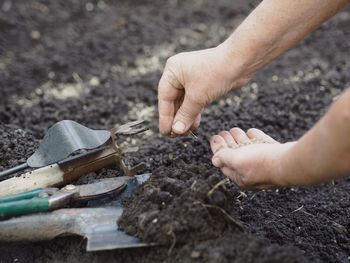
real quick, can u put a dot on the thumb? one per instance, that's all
(186, 115)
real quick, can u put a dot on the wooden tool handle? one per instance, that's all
(74, 221)
(41, 178)
(58, 174)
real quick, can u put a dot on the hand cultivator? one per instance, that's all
(31, 192)
(56, 167)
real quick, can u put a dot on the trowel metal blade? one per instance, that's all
(109, 236)
(98, 225)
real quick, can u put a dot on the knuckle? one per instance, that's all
(161, 90)
(244, 180)
(240, 182)
(184, 114)
(209, 96)
(195, 99)
(171, 61)
(237, 180)
(163, 84)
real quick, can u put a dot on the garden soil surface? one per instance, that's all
(99, 62)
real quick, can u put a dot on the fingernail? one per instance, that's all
(179, 127)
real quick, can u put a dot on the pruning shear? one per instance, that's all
(48, 199)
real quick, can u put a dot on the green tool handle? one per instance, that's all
(21, 196)
(23, 207)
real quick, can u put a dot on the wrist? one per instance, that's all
(285, 171)
(297, 167)
(254, 49)
(233, 65)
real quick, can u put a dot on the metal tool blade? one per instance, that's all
(63, 139)
(66, 137)
(131, 185)
(126, 185)
(130, 128)
(98, 225)
(98, 189)
(107, 236)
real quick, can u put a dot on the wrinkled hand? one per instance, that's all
(255, 165)
(190, 81)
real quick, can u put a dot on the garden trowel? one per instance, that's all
(97, 225)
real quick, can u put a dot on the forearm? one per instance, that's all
(324, 152)
(275, 26)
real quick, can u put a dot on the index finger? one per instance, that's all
(169, 91)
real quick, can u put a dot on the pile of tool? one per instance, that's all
(32, 208)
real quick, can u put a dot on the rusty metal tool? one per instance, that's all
(97, 225)
(66, 137)
(71, 168)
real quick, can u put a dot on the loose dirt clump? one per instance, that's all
(175, 203)
(186, 210)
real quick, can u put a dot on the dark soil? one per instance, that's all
(99, 62)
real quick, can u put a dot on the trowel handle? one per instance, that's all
(23, 207)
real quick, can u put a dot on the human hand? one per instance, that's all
(256, 164)
(190, 81)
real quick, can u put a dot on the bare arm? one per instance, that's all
(322, 153)
(275, 26)
(192, 80)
